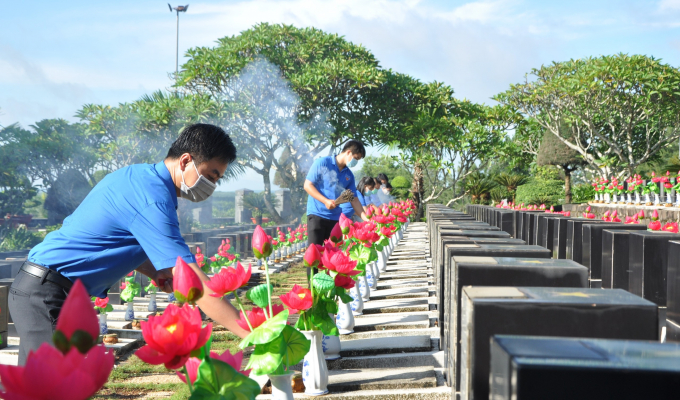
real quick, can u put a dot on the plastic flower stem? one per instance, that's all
(269, 288)
(240, 305)
(186, 373)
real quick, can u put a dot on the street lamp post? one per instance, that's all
(178, 9)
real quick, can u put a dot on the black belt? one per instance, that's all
(46, 274)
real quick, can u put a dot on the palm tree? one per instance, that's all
(511, 182)
(256, 204)
(479, 187)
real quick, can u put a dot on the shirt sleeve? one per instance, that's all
(313, 173)
(362, 199)
(156, 228)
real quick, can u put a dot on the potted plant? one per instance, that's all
(130, 290)
(102, 306)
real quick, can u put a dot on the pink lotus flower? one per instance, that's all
(256, 316)
(345, 224)
(229, 279)
(671, 227)
(641, 214)
(312, 256)
(344, 281)
(590, 216)
(102, 303)
(77, 314)
(339, 262)
(654, 226)
(631, 220)
(298, 299)
(235, 360)
(655, 215)
(51, 375)
(173, 336)
(186, 284)
(336, 233)
(262, 246)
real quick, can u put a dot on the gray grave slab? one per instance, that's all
(564, 312)
(615, 258)
(385, 345)
(648, 254)
(673, 292)
(544, 230)
(529, 367)
(378, 322)
(381, 379)
(574, 249)
(499, 271)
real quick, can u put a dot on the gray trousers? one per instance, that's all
(34, 308)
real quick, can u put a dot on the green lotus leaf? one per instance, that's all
(259, 295)
(297, 345)
(323, 282)
(266, 332)
(219, 380)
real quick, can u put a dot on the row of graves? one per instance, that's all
(123, 329)
(537, 305)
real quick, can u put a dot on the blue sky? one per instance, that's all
(57, 56)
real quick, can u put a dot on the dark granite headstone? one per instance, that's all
(500, 271)
(591, 247)
(673, 293)
(560, 237)
(506, 221)
(543, 235)
(596, 313)
(473, 250)
(538, 368)
(615, 258)
(574, 250)
(528, 226)
(648, 253)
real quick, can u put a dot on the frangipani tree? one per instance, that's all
(621, 109)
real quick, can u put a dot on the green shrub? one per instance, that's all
(400, 182)
(582, 193)
(548, 192)
(499, 193)
(20, 239)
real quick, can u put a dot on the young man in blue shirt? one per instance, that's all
(326, 180)
(127, 222)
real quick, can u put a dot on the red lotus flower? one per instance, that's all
(77, 314)
(312, 256)
(229, 279)
(51, 375)
(381, 219)
(173, 336)
(654, 225)
(298, 299)
(213, 258)
(671, 227)
(366, 233)
(186, 284)
(257, 317)
(235, 360)
(345, 223)
(336, 233)
(655, 215)
(631, 220)
(641, 214)
(344, 281)
(339, 262)
(101, 303)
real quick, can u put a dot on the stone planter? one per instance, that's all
(103, 326)
(282, 388)
(358, 304)
(314, 369)
(153, 306)
(345, 318)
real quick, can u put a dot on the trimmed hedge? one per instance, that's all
(549, 192)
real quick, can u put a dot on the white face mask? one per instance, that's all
(200, 191)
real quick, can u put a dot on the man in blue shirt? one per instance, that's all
(326, 180)
(127, 222)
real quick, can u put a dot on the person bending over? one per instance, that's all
(127, 222)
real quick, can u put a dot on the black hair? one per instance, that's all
(377, 181)
(383, 177)
(204, 142)
(356, 146)
(363, 182)
(388, 186)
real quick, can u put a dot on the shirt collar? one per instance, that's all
(335, 163)
(163, 172)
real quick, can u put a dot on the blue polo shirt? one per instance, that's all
(362, 199)
(330, 182)
(129, 216)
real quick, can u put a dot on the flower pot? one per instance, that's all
(130, 311)
(364, 289)
(282, 388)
(657, 200)
(103, 326)
(314, 369)
(153, 307)
(331, 346)
(637, 198)
(345, 318)
(370, 278)
(358, 304)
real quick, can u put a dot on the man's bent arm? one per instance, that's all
(314, 192)
(219, 310)
(359, 209)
